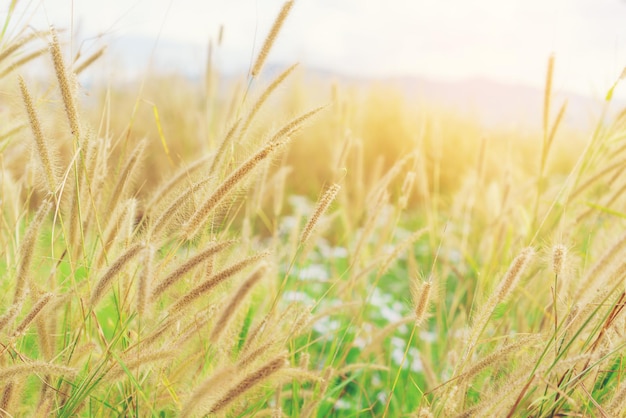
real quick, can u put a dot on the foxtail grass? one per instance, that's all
(271, 38)
(27, 248)
(322, 205)
(65, 84)
(43, 149)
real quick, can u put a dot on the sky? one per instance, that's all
(507, 41)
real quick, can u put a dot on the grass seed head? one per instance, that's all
(67, 90)
(271, 38)
(321, 207)
(559, 259)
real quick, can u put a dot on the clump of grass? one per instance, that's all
(192, 296)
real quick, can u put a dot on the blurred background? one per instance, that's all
(401, 75)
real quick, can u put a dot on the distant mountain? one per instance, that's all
(494, 103)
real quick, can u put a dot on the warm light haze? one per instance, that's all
(505, 41)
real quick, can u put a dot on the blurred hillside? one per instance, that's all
(493, 104)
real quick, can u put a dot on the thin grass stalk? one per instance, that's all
(133, 363)
(498, 355)
(597, 271)
(381, 200)
(18, 43)
(223, 146)
(22, 61)
(10, 133)
(170, 185)
(90, 60)
(125, 175)
(113, 232)
(263, 98)
(399, 249)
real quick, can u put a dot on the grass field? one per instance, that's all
(277, 251)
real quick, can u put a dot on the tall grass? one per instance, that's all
(435, 275)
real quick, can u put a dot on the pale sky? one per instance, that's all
(507, 41)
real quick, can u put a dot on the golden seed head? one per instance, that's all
(421, 298)
(559, 254)
(321, 207)
(271, 37)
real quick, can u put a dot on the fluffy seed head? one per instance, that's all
(421, 299)
(513, 275)
(321, 207)
(559, 255)
(248, 382)
(43, 150)
(111, 272)
(271, 37)
(64, 84)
